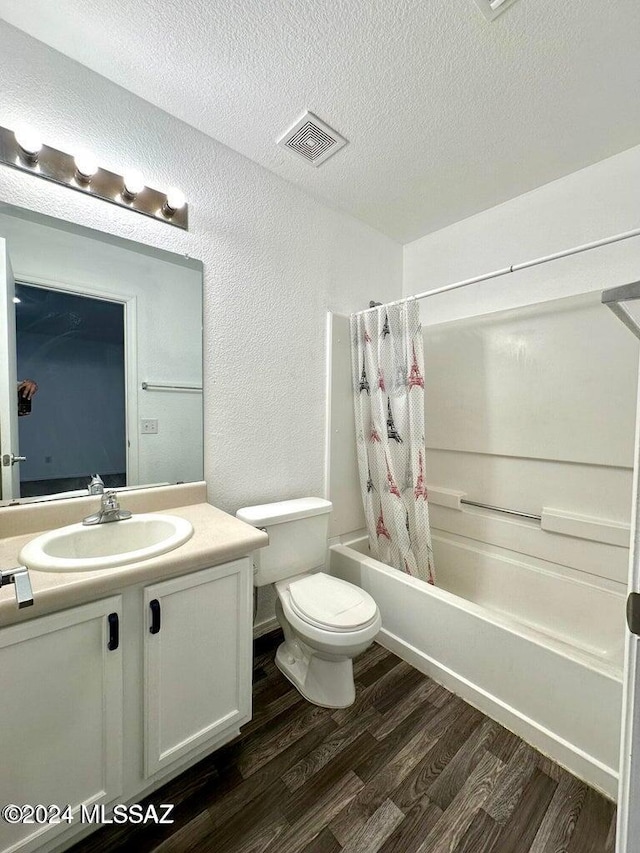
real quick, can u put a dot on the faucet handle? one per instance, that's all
(96, 485)
(109, 510)
(110, 500)
(20, 578)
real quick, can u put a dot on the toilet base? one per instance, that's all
(327, 683)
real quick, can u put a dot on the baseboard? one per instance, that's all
(265, 628)
(587, 768)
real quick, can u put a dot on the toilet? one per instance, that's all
(326, 621)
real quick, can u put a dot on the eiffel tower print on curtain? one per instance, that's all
(388, 363)
(392, 432)
(364, 382)
(415, 377)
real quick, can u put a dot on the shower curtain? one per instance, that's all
(388, 382)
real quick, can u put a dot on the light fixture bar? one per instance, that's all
(61, 168)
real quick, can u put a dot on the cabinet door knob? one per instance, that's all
(154, 606)
(114, 631)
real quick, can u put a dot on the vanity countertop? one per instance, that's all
(217, 538)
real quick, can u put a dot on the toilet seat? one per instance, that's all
(331, 604)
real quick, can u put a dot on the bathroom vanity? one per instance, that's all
(118, 679)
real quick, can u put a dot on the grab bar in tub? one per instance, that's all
(502, 509)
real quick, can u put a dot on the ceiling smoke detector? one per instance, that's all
(312, 139)
(492, 8)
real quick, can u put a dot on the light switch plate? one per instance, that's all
(149, 426)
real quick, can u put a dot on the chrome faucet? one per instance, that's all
(109, 510)
(96, 485)
(19, 577)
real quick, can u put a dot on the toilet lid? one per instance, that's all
(328, 602)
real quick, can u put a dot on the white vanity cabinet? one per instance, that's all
(103, 702)
(60, 715)
(197, 660)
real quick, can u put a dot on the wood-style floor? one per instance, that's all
(409, 767)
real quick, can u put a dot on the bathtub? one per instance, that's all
(538, 651)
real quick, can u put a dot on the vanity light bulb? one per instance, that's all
(29, 141)
(86, 165)
(175, 200)
(133, 181)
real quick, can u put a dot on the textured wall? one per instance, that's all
(274, 261)
(446, 113)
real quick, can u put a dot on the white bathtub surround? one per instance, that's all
(388, 384)
(541, 654)
(527, 621)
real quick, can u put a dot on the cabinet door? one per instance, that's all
(61, 716)
(197, 660)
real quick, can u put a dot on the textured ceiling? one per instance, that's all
(446, 113)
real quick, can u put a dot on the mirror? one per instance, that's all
(111, 332)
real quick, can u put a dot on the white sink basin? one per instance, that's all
(82, 548)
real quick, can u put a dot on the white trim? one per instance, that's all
(129, 303)
(628, 820)
(586, 527)
(581, 764)
(445, 497)
(131, 390)
(266, 627)
(9, 428)
(327, 400)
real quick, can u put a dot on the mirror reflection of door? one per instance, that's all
(73, 347)
(161, 295)
(9, 452)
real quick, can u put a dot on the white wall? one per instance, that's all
(274, 261)
(534, 407)
(595, 202)
(587, 205)
(549, 381)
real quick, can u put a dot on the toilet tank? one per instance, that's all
(297, 537)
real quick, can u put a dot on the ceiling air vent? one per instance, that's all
(492, 8)
(312, 139)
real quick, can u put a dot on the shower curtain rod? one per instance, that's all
(615, 296)
(513, 268)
